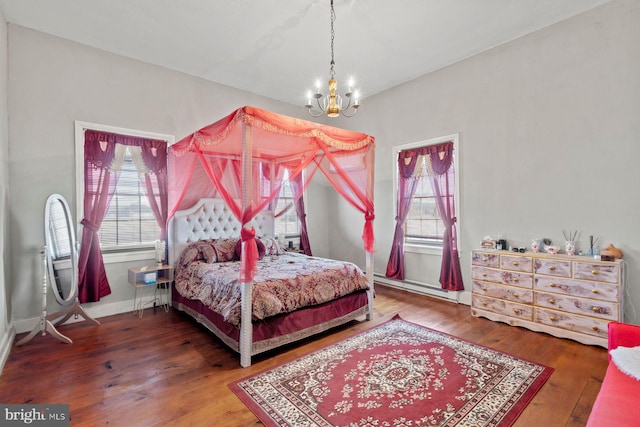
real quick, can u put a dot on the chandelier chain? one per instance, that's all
(333, 34)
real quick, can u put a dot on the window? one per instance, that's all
(423, 225)
(287, 224)
(129, 222)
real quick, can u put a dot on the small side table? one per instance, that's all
(156, 277)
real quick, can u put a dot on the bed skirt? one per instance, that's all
(281, 329)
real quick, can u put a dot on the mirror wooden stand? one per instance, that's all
(60, 245)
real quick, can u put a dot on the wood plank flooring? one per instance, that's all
(165, 369)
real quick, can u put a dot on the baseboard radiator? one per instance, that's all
(418, 287)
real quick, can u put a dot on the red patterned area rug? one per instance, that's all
(395, 374)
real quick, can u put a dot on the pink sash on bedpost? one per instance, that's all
(249, 256)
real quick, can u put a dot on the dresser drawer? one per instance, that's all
(522, 296)
(485, 259)
(578, 288)
(516, 263)
(609, 273)
(552, 267)
(587, 307)
(506, 308)
(522, 280)
(572, 322)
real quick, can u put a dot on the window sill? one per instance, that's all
(423, 249)
(113, 258)
(119, 257)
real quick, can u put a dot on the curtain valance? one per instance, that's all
(432, 160)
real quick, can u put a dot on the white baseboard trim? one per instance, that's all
(5, 345)
(461, 297)
(95, 310)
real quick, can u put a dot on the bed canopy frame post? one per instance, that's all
(246, 338)
(371, 292)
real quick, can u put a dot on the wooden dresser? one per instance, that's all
(566, 296)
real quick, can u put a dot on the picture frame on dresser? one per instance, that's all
(572, 297)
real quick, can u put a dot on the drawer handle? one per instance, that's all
(595, 291)
(552, 267)
(595, 328)
(515, 279)
(552, 318)
(595, 309)
(594, 271)
(484, 303)
(484, 288)
(516, 263)
(484, 274)
(485, 259)
(516, 310)
(552, 285)
(552, 301)
(516, 295)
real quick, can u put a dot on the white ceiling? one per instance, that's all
(279, 48)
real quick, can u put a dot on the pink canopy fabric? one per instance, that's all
(239, 158)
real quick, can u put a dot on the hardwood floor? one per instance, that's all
(165, 369)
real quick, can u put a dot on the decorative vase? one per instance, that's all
(535, 245)
(570, 247)
(161, 247)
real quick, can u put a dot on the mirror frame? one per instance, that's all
(73, 293)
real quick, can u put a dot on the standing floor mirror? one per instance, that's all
(60, 248)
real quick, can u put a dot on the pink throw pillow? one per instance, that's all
(261, 248)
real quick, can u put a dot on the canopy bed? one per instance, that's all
(231, 274)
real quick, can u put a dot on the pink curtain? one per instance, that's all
(296, 187)
(407, 184)
(442, 181)
(272, 178)
(349, 181)
(256, 137)
(99, 186)
(154, 155)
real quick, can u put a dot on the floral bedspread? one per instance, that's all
(283, 283)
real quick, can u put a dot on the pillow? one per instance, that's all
(261, 248)
(627, 359)
(189, 254)
(201, 250)
(208, 250)
(224, 249)
(272, 247)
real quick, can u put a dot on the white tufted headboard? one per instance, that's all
(210, 219)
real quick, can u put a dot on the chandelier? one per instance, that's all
(332, 104)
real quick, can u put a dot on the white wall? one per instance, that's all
(548, 130)
(6, 330)
(54, 82)
(549, 138)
